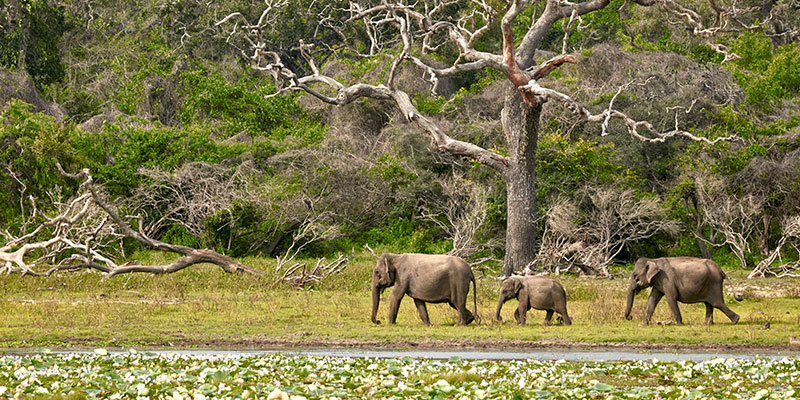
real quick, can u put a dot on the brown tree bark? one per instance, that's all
(521, 128)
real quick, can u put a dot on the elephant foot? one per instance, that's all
(735, 319)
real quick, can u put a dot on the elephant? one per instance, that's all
(426, 278)
(679, 279)
(537, 292)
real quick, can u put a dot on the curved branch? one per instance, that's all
(514, 74)
(632, 125)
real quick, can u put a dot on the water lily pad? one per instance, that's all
(602, 387)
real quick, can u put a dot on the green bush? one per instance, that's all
(243, 106)
(766, 78)
(30, 144)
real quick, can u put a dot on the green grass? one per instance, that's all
(203, 306)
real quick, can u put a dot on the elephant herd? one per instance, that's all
(428, 278)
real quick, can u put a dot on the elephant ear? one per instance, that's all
(388, 267)
(516, 285)
(652, 269)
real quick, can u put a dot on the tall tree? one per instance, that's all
(409, 30)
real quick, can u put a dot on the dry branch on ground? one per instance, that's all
(67, 254)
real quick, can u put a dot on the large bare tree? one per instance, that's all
(408, 30)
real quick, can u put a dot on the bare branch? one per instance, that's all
(61, 242)
(632, 125)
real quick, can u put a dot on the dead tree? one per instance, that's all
(590, 237)
(408, 30)
(460, 212)
(790, 233)
(66, 253)
(735, 218)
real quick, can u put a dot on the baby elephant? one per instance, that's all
(534, 292)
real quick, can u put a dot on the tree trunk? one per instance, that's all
(763, 238)
(521, 128)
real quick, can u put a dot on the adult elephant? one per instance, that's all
(536, 292)
(426, 278)
(684, 279)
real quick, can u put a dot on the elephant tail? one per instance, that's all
(737, 296)
(475, 301)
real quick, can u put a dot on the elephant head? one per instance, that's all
(508, 290)
(383, 276)
(644, 271)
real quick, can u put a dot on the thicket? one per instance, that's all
(186, 116)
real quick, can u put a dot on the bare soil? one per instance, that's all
(301, 341)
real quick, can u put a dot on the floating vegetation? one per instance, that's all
(133, 375)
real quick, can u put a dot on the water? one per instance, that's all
(621, 355)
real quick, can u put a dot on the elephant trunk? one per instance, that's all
(376, 299)
(631, 293)
(499, 307)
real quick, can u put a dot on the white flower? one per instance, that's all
(115, 396)
(21, 372)
(278, 394)
(443, 386)
(142, 390)
(102, 352)
(3, 389)
(479, 393)
(297, 398)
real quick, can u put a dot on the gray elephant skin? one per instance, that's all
(679, 279)
(536, 292)
(426, 278)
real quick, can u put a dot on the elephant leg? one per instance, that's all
(464, 315)
(709, 313)
(522, 312)
(564, 315)
(548, 317)
(423, 312)
(652, 302)
(676, 312)
(727, 311)
(394, 303)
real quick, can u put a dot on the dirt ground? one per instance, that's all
(295, 342)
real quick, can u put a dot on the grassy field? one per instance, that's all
(203, 306)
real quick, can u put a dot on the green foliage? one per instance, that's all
(30, 37)
(767, 79)
(178, 235)
(565, 166)
(729, 158)
(429, 105)
(698, 52)
(406, 236)
(390, 171)
(117, 152)
(597, 27)
(29, 146)
(243, 106)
